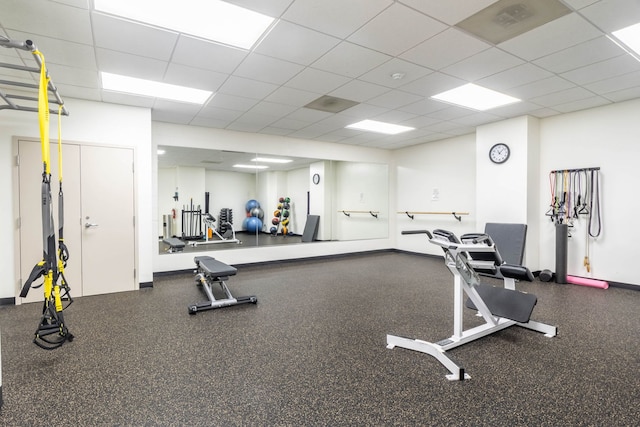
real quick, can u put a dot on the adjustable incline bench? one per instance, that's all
(210, 271)
(501, 307)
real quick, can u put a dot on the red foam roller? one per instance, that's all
(594, 283)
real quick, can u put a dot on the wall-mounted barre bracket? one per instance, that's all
(456, 215)
(29, 46)
(372, 213)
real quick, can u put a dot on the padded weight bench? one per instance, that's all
(210, 271)
(175, 244)
(500, 307)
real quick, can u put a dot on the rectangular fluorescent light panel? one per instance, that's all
(475, 97)
(271, 160)
(209, 19)
(380, 127)
(135, 86)
(251, 166)
(630, 36)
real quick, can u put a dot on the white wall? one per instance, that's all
(446, 168)
(362, 187)
(606, 137)
(92, 123)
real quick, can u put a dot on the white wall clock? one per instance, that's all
(499, 153)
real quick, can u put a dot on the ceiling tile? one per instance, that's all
(483, 64)
(126, 99)
(247, 88)
(562, 33)
(624, 95)
(232, 102)
(613, 15)
(208, 55)
(222, 114)
(291, 96)
(194, 77)
(273, 8)
(350, 60)
(317, 81)
(614, 84)
(582, 104)
(359, 91)
(62, 74)
(295, 43)
(450, 11)
(267, 69)
(445, 48)
(382, 75)
(540, 87)
(586, 53)
(396, 30)
(338, 18)
(47, 18)
(58, 51)
(562, 96)
(71, 91)
(426, 106)
(451, 112)
(130, 65)
(432, 84)
(119, 34)
(394, 99)
(603, 70)
(290, 124)
(516, 76)
(272, 108)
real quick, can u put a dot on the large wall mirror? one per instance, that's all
(220, 199)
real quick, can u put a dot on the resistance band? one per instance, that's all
(52, 332)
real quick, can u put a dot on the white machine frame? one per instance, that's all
(209, 221)
(465, 279)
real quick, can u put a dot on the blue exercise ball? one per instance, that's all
(257, 212)
(254, 224)
(251, 204)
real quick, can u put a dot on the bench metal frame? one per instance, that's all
(210, 271)
(465, 280)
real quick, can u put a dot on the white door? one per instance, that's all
(98, 182)
(108, 236)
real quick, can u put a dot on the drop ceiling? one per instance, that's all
(349, 49)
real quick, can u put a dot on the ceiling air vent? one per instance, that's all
(331, 104)
(506, 19)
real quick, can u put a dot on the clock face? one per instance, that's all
(499, 153)
(316, 179)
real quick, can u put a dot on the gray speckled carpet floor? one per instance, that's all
(313, 352)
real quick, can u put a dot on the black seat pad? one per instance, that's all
(174, 242)
(213, 267)
(507, 303)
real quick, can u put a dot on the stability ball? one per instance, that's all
(254, 224)
(251, 204)
(257, 212)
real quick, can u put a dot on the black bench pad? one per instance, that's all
(507, 303)
(174, 242)
(213, 267)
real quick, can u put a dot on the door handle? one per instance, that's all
(89, 225)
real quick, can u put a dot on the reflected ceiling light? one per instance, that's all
(209, 19)
(475, 97)
(135, 86)
(380, 127)
(251, 166)
(630, 36)
(271, 160)
(161, 152)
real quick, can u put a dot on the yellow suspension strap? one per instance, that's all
(63, 251)
(52, 331)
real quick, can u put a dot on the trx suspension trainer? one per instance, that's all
(52, 330)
